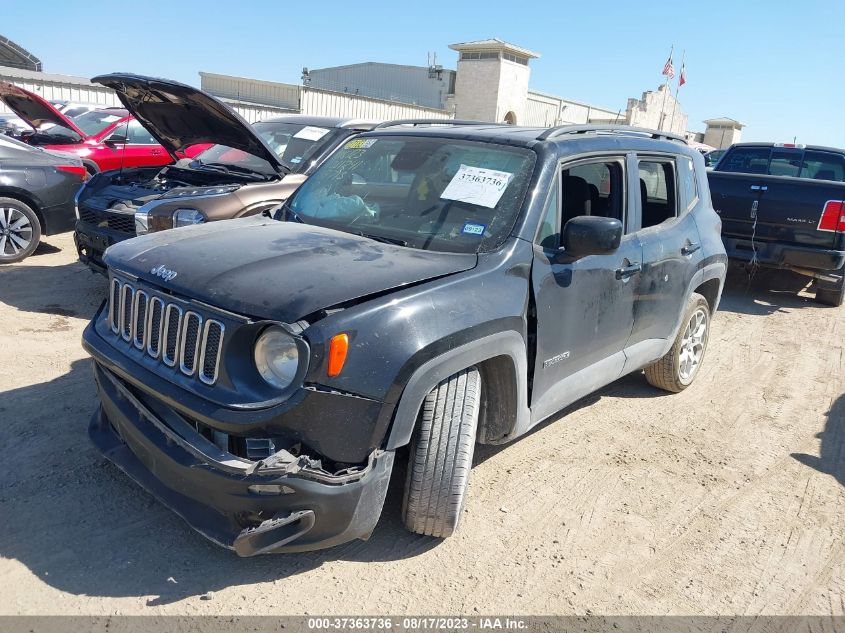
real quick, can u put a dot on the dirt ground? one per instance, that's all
(725, 499)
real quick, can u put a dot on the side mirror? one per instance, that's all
(591, 235)
(116, 139)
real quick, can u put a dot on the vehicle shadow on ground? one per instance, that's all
(82, 526)
(31, 287)
(763, 292)
(831, 459)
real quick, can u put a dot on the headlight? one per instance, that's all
(277, 357)
(186, 217)
(142, 223)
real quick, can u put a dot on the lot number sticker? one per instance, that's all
(311, 133)
(477, 185)
(361, 143)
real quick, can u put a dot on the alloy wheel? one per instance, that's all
(15, 231)
(692, 345)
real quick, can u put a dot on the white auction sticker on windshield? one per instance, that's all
(477, 185)
(311, 133)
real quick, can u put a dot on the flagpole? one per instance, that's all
(677, 90)
(663, 107)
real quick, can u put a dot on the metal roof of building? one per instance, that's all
(15, 56)
(32, 75)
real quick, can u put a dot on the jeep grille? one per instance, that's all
(180, 339)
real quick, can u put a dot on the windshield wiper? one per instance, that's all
(382, 238)
(229, 169)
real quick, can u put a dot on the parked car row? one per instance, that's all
(384, 291)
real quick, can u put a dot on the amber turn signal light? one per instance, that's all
(338, 348)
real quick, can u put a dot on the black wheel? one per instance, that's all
(834, 295)
(679, 367)
(20, 231)
(441, 455)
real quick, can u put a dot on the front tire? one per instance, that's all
(20, 231)
(441, 455)
(679, 367)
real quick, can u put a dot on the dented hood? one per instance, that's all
(34, 109)
(268, 269)
(180, 116)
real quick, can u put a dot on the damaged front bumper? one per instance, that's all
(280, 504)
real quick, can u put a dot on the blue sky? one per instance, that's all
(778, 67)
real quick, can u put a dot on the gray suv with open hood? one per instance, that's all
(248, 169)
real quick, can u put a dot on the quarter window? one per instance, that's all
(657, 192)
(688, 183)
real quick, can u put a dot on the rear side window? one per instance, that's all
(657, 191)
(823, 166)
(746, 160)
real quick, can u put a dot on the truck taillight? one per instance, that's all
(79, 170)
(833, 216)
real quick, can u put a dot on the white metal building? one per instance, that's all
(58, 87)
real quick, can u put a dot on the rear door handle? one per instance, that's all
(628, 271)
(690, 248)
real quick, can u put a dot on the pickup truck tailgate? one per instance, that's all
(777, 208)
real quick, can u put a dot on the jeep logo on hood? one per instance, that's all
(164, 273)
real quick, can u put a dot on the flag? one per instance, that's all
(683, 78)
(668, 68)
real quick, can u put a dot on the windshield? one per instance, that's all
(429, 193)
(96, 121)
(294, 143)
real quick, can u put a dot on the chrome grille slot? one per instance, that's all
(139, 319)
(156, 319)
(127, 296)
(161, 329)
(172, 325)
(212, 342)
(114, 306)
(190, 343)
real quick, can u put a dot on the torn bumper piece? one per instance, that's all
(239, 504)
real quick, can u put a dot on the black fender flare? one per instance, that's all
(508, 343)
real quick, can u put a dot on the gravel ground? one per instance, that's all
(725, 499)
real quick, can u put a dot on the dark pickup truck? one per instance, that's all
(782, 207)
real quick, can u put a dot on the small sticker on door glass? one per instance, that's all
(477, 185)
(311, 133)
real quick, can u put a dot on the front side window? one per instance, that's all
(657, 191)
(593, 188)
(138, 135)
(428, 193)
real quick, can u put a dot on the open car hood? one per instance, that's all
(276, 270)
(34, 109)
(180, 116)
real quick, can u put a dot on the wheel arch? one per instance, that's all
(501, 360)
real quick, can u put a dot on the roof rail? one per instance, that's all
(630, 130)
(415, 122)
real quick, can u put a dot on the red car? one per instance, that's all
(104, 139)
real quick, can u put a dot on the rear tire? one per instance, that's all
(20, 231)
(679, 367)
(441, 455)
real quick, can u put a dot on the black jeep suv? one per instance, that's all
(431, 285)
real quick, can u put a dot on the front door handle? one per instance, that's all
(690, 248)
(628, 271)
(759, 188)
